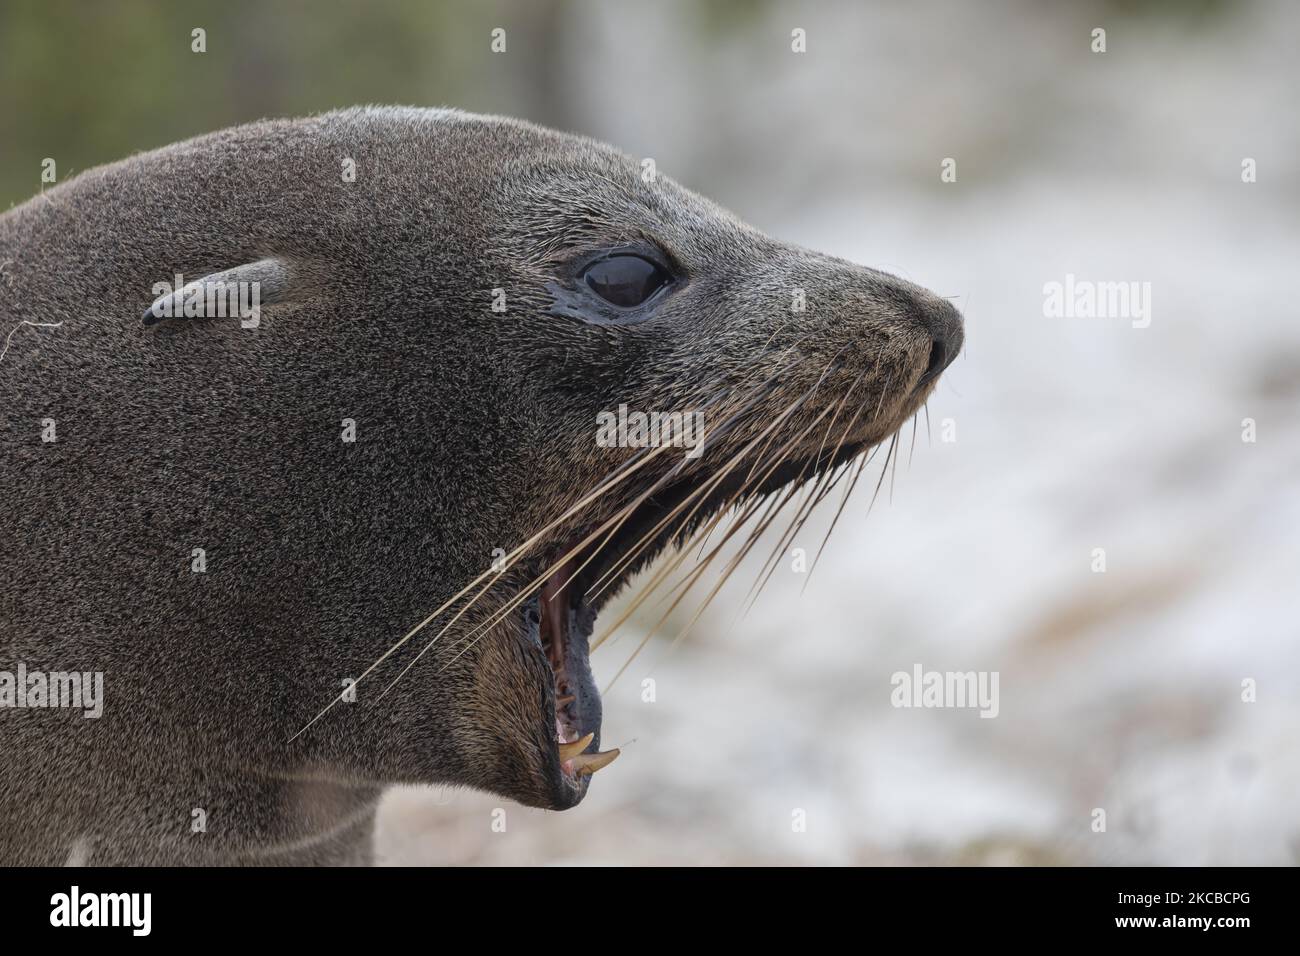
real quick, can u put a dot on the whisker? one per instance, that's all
(610, 574)
(883, 469)
(696, 572)
(815, 497)
(616, 520)
(491, 575)
(794, 406)
(844, 500)
(523, 594)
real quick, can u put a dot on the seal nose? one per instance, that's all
(943, 322)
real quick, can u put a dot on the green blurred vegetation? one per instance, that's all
(90, 82)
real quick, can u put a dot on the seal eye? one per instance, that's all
(625, 280)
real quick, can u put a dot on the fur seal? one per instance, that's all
(240, 523)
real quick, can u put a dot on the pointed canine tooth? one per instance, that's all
(590, 763)
(570, 751)
(565, 700)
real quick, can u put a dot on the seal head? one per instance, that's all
(397, 472)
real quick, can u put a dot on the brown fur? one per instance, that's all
(473, 430)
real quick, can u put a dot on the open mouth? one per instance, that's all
(560, 618)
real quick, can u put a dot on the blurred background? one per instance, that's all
(1049, 438)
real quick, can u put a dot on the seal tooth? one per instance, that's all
(590, 763)
(570, 751)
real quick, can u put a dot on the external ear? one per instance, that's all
(240, 291)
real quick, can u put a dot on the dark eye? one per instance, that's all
(625, 280)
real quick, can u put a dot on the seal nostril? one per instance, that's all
(937, 363)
